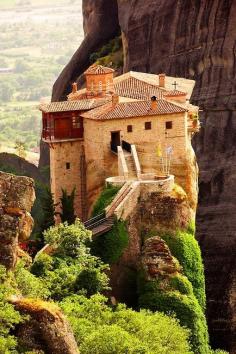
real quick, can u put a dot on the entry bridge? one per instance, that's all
(100, 224)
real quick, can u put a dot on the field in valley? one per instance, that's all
(35, 44)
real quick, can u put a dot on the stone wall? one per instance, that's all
(66, 171)
(102, 163)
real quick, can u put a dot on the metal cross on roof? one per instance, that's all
(175, 84)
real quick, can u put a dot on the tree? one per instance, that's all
(6, 91)
(67, 206)
(20, 149)
(103, 329)
(9, 317)
(48, 207)
(21, 66)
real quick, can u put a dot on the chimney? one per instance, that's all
(115, 99)
(153, 102)
(74, 87)
(162, 78)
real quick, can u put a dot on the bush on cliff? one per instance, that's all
(105, 198)
(9, 317)
(71, 269)
(103, 329)
(185, 248)
(177, 297)
(110, 246)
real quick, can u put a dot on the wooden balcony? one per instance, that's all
(59, 129)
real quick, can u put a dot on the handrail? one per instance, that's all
(118, 198)
(96, 218)
(136, 160)
(95, 224)
(122, 161)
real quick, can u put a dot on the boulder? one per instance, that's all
(46, 330)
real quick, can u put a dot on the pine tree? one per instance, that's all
(48, 207)
(67, 206)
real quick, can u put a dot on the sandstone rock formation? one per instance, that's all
(157, 260)
(100, 25)
(155, 213)
(16, 200)
(196, 40)
(22, 166)
(47, 329)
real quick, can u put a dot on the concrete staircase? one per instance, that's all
(132, 174)
(128, 163)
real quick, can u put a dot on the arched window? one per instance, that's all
(108, 85)
(100, 86)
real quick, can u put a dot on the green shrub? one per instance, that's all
(9, 317)
(69, 240)
(28, 284)
(182, 284)
(185, 307)
(102, 329)
(71, 269)
(109, 54)
(105, 198)
(42, 263)
(110, 246)
(185, 248)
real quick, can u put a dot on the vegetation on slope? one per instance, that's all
(110, 246)
(184, 295)
(75, 278)
(105, 198)
(111, 54)
(31, 48)
(102, 329)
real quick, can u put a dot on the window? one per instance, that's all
(129, 128)
(92, 86)
(148, 125)
(68, 165)
(169, 125)
(100, 86)
(75, 122)
(108, 85)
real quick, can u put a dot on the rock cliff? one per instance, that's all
(46, 329)
(16, 200)
(193, 39)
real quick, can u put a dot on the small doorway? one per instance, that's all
(115, 140)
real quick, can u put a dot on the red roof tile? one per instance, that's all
(133, 109)
(174, 93)
(137, 89)
(80, 105)
(98, 69)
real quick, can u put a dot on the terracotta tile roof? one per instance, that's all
(66, 106)
(133, 109)
(174, 93)
(98, 69)
(135, 88)
(184, 85)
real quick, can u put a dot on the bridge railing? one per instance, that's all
(95, 221)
